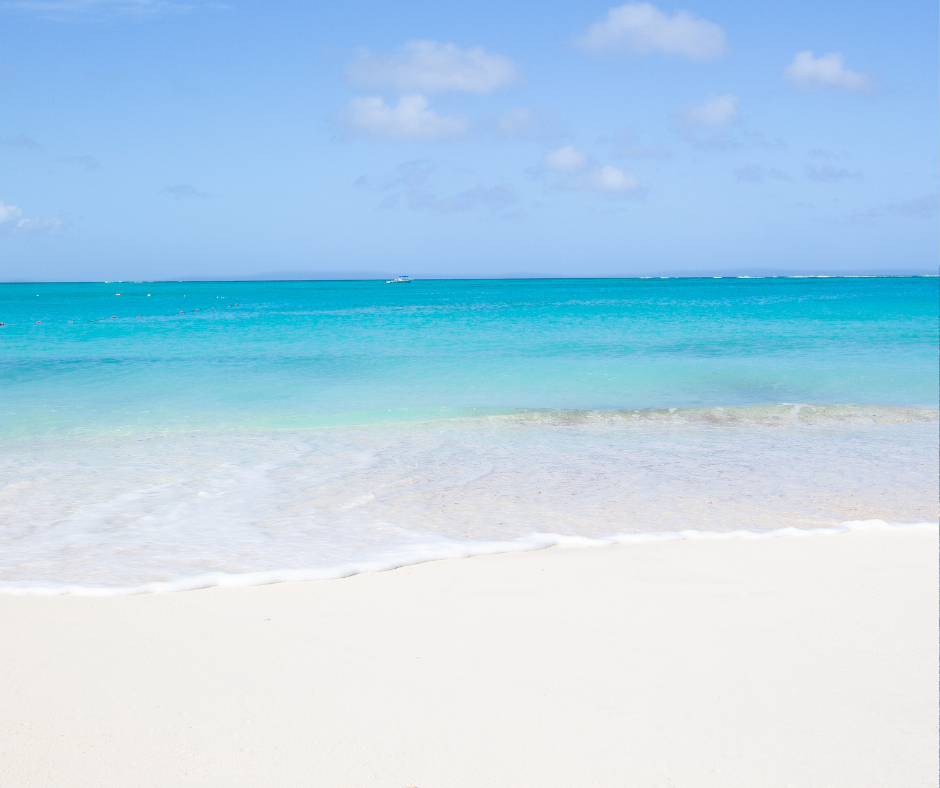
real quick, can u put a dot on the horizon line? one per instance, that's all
(474, 278)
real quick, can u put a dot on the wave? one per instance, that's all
(781, 414)
(444, 549)
(768, 415)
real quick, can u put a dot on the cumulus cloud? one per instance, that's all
(39, 224)
(431, 67)
(583, 174)
(566, 158)
(410, 119)
(642, 28)
(9, 213)
(606, 179)
(827, 71)
(12, 215)
(714, 126)
(717, 111)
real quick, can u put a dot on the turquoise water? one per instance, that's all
(296, 352)
(158, 430)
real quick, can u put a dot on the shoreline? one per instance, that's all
(452, 549)
(696, 662)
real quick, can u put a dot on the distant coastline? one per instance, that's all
(369, 276)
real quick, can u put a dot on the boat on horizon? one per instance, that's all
(398, 279)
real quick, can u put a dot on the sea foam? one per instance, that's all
(445, 549)
(155, 508)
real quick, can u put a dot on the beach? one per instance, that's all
(474, 533)
(798, 660)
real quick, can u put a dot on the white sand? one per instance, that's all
(793, 661)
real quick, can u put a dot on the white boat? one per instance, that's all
(397, 279)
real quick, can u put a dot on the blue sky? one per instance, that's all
(151, 140)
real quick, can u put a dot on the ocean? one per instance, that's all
(171, 435)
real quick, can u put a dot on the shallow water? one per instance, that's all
(255, 427)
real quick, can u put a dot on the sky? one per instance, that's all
(147, 140)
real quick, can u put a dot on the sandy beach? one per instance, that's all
(794, 661)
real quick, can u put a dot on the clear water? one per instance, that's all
(177, 429)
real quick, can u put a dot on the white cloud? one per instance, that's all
(717, 111)
(39, 224)
(642, 28)
(607, 178)
(410, 119)
(9, 213)
(585, 175)
(13, 215)
(827, 71)
(566, 158)
(431, 67)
